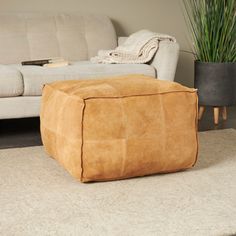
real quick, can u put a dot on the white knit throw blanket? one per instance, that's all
(139, 47)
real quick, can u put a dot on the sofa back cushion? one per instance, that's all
(73, 36)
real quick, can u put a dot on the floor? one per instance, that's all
(25, 132)
(38, 197)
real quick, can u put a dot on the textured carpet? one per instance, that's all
(37, 197)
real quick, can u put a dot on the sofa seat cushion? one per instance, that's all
(119, 127)
(11, 82)
(35, 77)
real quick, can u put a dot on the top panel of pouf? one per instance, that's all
(136, 85)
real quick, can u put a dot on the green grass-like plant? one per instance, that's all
(213, 28)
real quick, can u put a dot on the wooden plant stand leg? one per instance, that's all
(216, 115)
(217, 111)
(200, 113)
(224, 113)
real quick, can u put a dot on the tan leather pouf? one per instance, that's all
(121, 127)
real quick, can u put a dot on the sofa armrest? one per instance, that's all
(165, 60)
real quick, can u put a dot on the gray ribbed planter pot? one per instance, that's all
(216, 83)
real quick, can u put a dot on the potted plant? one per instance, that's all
(213, 29)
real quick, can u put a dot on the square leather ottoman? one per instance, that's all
(121, 127)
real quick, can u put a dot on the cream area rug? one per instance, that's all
(38, 197)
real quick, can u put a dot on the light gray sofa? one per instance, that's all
(75, 37)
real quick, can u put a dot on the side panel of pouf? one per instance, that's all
(139, 135)
(61, 128)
